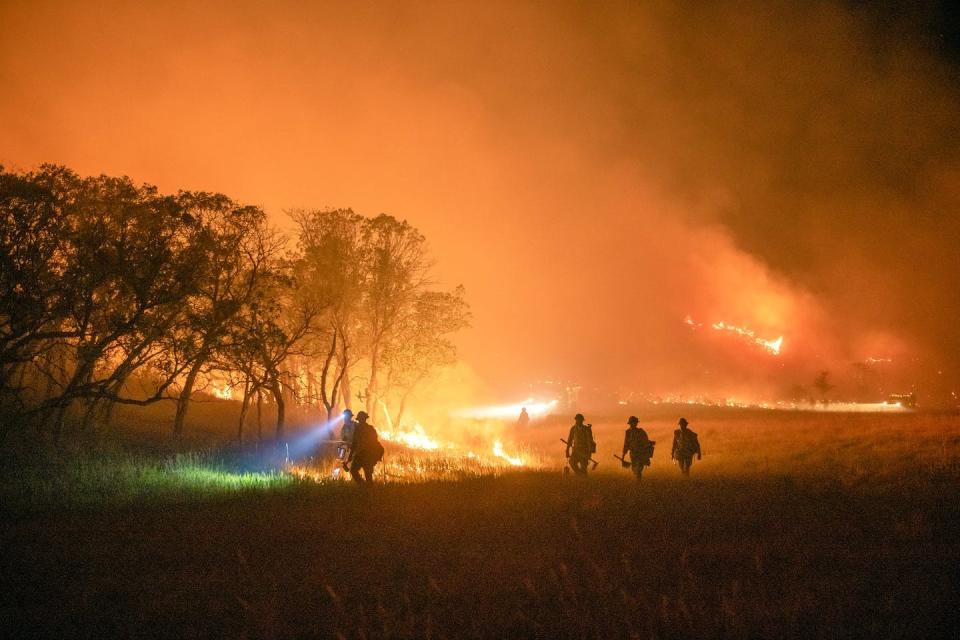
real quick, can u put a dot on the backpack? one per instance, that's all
(376, 448)
(689, 444)
(583, 439)
(368, 445)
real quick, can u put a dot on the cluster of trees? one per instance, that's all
(113, 293)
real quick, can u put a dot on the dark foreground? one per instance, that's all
(521, 556)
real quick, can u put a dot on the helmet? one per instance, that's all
(363, 415)
(633, 420)
(348, 412)
(683, 422)
(579, 416)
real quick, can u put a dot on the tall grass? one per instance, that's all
(404, 466)
(845, 449)
(827, 526)
(95, 479)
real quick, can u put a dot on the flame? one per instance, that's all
(498, 452)
(425, 459)
(302, 472)
(415, 438)
(224, 392)
(771, 346)
(437, 457)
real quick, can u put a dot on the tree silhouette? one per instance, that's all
(822, 384)
(113, 293)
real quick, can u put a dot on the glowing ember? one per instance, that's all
(771, 346)
(415, 438)
(499, 453)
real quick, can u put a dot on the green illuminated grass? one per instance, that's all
(88, 479)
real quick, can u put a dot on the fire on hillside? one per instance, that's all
(772, 347)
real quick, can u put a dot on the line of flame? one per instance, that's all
(772, 346)
(417, 438)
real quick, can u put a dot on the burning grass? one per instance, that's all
(405, 464)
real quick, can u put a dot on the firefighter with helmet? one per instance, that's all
(365, 451)
(686, 444)
(640, 447)
(580, 445)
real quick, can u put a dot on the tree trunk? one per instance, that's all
(23, 374)
(403, 399)
(59, 416)
(93, 407)
(108, 417)
(103, 411)
(324, 373)
(345, 387)
(52, 381)
(371, 391)
(288, 389)
(311, 389)
(183, 400)
(259, 415)
(244, 407)
(403, 406)
(277, 389)
(338, 380)
(81, 376)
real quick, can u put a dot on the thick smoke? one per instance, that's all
(593, 173)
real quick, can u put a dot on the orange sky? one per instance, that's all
(591, 173)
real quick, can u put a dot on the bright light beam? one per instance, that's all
(306, 442)
(506, 410)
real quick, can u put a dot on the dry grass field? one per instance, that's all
(793, 525)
